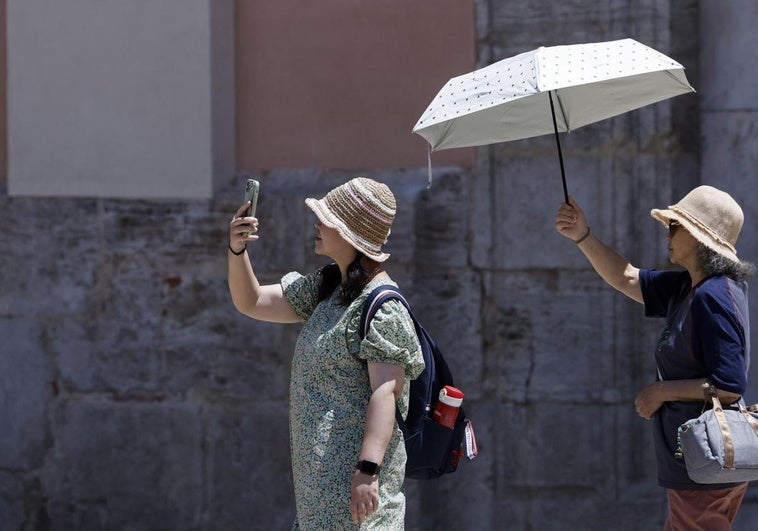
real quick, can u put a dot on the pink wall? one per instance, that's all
(340, 83)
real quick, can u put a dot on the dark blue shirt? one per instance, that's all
(707, 335)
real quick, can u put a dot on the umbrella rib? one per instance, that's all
(561, 108)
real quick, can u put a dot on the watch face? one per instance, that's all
(367, 467)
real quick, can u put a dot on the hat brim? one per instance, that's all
(665, 216)
(333, 222)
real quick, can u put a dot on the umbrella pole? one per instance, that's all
(558, 143)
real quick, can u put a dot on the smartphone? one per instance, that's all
(251, 194)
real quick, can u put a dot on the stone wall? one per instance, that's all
(135, 397)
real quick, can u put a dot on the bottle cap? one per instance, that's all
(452, 396)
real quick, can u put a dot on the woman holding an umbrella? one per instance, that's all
(705, 340)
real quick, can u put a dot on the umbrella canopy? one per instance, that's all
(513, 98)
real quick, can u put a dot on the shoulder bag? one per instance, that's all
(721, 445)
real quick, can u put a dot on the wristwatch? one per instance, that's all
(367, 467)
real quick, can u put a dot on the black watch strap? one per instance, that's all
(368, 467)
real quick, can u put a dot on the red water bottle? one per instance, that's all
(446, 409)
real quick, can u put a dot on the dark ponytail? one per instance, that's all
(330, 279)
(357, 278)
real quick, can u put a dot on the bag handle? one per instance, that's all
(750, 419)
(718, 411)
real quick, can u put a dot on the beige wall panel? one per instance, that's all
(110, 98)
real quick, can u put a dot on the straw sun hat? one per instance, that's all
(361, 210)
(710, 215)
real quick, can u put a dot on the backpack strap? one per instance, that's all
(373, 302)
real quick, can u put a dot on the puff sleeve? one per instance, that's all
(301, 292)
(392, 338)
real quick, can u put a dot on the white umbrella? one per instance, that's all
(513, 98)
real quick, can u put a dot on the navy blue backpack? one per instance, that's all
(432, 449)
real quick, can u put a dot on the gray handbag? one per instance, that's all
(721, 445)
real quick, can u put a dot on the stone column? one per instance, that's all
(729, 122)
(729, 114)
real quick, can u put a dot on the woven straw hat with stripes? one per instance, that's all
(361, 210)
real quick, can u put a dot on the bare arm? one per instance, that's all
(387, 384)
(610, 265)
(265, 303)
(652, 397)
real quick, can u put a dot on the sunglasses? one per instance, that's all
(673, 226)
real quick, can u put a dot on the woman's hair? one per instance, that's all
(712, 263)
(331, 279)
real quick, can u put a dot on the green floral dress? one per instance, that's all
(329, 395)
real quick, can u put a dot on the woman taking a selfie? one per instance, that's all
(348, 455)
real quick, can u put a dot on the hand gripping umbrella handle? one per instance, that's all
(558, 143)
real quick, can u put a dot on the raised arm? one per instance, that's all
(610, 265)
(265, 303)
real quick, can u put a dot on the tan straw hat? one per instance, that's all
(362, 211)
(710, 215)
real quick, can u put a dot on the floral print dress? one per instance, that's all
(329, 395)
